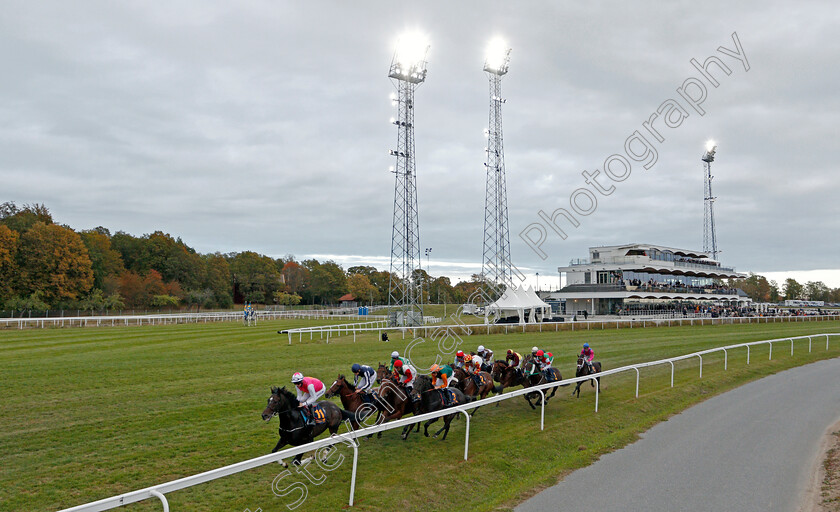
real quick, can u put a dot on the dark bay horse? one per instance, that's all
(535, 379)
(583, 370)
(352, 401)
(293, 430)
(466, 383)
(430, 401)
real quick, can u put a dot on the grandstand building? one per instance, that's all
(622, 278)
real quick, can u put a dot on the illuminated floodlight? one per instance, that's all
(497, 57)
(409, 62)
(711, 147)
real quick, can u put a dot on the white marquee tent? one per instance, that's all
(520, 302)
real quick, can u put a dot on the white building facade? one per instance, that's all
(620, 278)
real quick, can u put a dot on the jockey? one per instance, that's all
(588, 355)
(405, 374)
(546, 360)
(513, 359)
(309, 389)
(534, 351)
(395, 356)
(475, 364)
(440, 376)
(486, 354)
(365, 377)
(459, 359)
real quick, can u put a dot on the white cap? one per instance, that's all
(534, 349)
(297, 377)
(481, 348)
(395, 354)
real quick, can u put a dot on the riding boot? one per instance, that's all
(310, 416)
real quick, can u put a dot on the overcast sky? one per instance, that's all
(265, 125)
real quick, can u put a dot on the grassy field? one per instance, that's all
(89, 413)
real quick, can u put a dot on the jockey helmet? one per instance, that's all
(297, 377)
(467, 358)
(510, 351)
(398, 363)
(539, 353)
(435, 368)
(460, 353)
(534, 350)
(481, 348)
(356, 368)
(395, 354)
(586, 345)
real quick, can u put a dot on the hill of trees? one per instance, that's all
(45, 265)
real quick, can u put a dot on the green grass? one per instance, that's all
(89, 413)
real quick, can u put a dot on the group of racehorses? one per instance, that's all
(392, 401)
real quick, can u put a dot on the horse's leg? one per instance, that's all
(279, 444)
(528, 398)
(446, 421)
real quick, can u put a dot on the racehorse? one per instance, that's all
(535, 379)
(396, 401)
(293, 429)
(467, 384)
(583, 370)
(431, 400)
(352, 401)
(506, 375)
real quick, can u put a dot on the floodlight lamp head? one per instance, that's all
(497, 58)
(409, 63)
(711, 148)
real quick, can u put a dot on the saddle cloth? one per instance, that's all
(448, 397)
(480, 379)
(319, 415)
(551, 374)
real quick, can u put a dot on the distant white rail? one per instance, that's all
(174, 318)
(331, 331)
(350, 438)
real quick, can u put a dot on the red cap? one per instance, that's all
(539, 353)
(397, 364)
(460, 353)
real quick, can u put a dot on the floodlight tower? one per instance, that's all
(709, 236)
(408, 70)
(496, 266)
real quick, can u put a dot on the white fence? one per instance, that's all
(175, 318)
(350, 438)
(583, 325)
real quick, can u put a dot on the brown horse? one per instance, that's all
(583, 370)
(293, 429)
(507, 376)
(468, 385)
(352, 401)
(532, 378)
(395, 399)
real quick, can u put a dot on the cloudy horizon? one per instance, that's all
(264, 126)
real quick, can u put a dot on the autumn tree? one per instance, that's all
(8, 266)
(793, 290)
(53, 259)
(22, 219)
(255, 276)
(104, 259)
(361, 288)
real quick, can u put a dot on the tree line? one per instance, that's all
(45, 265)
(759, 289)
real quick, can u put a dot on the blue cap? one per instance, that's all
(356, 367)
(586, 345)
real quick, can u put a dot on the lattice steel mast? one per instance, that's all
(709, 235)
(408, 70)
(496, 266)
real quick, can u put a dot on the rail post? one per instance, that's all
(672, 373)
(771, 350)
(542, 410)
(701, 365)
(791, 346)
(637, 381)
(597, 389)
(466, 434)
(748, 354)
(162, 499)
(809, 344)
(725, 359)
(355, 465)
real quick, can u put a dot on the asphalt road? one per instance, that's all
(750, 449)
